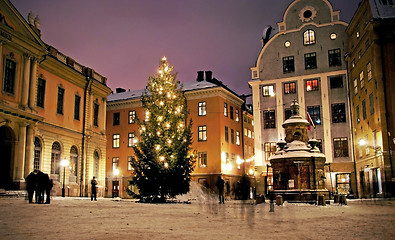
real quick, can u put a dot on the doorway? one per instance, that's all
(115, 189)
(6, 152)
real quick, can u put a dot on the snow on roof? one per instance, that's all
(381, 10)
(295, 120)
(135, 94)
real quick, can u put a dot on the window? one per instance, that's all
(270, 149)
(202, 111)
(336, 82)
(132, 139)
(115, 163)
(340, 147)
(315, 115)
(130, 161)
(288, 64)
(358, 114)
(40, 92)
(353, 63)
(232, 136)
(308, 37)
(371, 103)
(269, 118)
(369, 70)
(334, 56)
(96, 158)
(355, 86)
(237, 115)
(338, 113)
(202, 133)
(364, 109)
(55, 160)
(73, 164)
(249, 133)
(59, 108)
(115, 118)
(237, 137)
(245, 132)
(312, 85)
(96, 114)
(231, 112)
(132, 116)
(115, 140)
(9, 76)
(289, 87)
(77, 103)
(37, 153)
(202, 159)
(287, 113)
(226, 134)
(361, 80)
(310, 61)
(225, 109)
(268, 91)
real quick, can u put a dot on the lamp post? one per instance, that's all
(116, 173)
(64, 164)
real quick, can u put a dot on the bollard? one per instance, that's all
(279, 200)
(321, 200)
(271, 206)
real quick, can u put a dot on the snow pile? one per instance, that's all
(197, 193)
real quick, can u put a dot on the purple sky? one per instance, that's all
(124, 40)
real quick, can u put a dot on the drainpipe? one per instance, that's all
(88, 85)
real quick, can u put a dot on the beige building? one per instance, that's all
(303, 61)
(371, 64)
(51, 109)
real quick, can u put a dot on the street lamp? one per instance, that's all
(64, 164)
(114, 190)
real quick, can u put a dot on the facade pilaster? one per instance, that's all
(33, 84)
(20, 157)
(29, 150)
(26, 81)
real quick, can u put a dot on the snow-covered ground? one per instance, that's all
(203, 218)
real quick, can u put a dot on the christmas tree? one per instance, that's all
(164, 159)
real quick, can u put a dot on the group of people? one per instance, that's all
(39, 183)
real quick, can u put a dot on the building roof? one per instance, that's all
(382, 9)
(135, 94)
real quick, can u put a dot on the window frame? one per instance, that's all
(116, 118)
(131, 139)
(339, 116)
(116, 140)
(309, 37)
(314, 85)
(334, 57)
(288, 64)
(268, 90)
(96, 107)
(310, 61)
(41, 84)
(289, 87)
(132, 117)
(334, 82)
(269, 122)
(202, 108)
(77, 106)
(225, 109)
(202, 133)
(202, 159)
(9, 78)
(60, 100)
(312, 110)
(340, 147)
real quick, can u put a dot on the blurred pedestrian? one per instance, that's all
(220, 185)
(93, 194)
(48, 188)
(31, 182)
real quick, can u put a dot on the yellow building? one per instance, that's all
(371, 67)
(51, 108)
(216, 112)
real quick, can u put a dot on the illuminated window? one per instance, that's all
(361, 80)
(55, 160)
(115, 140)
(270, 148)
(202, 133)
(225, 109)
(268, 91)
(73, 164)
(237, 115)
(237, 137)
(308, 37)
(202, 159)
(131, 139)
(289, 87)
(312, 85)
(310, 61)
(132, 116)
(115, 163)
(340, 146)
(202, 110)
(333, 36)
(288, 64)
(369, 70)
(287, 44)
(131, 159)
(355, 86)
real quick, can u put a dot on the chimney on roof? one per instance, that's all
(209, 76)
(200, 76)
(120, 90)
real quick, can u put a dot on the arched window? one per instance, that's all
(37, 154)
(96, 160)
(73, 164)
(55, 160)
(308, 37)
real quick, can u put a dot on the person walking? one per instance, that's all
(93, 183)
(220, 185)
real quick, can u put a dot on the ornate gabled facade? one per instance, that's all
(217, 116)
(303, 61)
(371, 64)
(51, 108)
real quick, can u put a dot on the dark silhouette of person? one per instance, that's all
(31, 183)
(48, 188)
(220, 185)
(40, 188)
(93, 183)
